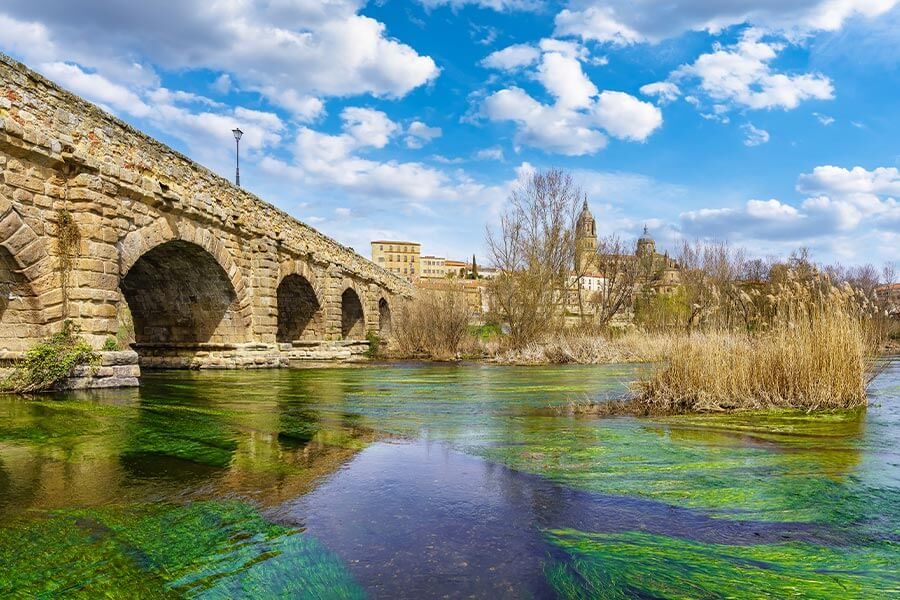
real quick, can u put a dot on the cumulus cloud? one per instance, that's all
(338, 161)
(741, 75)
(289, 52)
(829, 179)
(580, 117)
(623, 22)
(512, 57)
(839, 203)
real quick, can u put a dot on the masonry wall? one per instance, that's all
(162, 241)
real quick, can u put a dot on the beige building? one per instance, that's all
(456, 268)
(401, 258)
(434, 267)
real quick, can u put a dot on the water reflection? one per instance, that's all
(417, 480)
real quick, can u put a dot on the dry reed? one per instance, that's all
(815, 354)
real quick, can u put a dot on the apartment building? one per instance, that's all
(402, 258)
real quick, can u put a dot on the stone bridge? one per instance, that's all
(109, 228)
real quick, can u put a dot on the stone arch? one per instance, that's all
(353, 324)
(23, 263)
(141, 241)
(300, 314)
(384, 317)
(179, 293)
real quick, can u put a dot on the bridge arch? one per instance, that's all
(182, 287)
(384, 317)
(300, 314)
(139, 242)
(353, 318)
(23, 261)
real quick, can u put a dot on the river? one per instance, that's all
(421, 481)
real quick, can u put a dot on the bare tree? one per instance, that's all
(710, 274)
(617, 270)
(534, 250)
(889, 273)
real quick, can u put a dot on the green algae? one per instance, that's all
(270, 436)
(202, 549)
(637, 564)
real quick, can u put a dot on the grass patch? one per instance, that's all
(50, 362)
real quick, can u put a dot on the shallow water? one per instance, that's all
(430, 481)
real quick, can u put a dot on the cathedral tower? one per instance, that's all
(585, 240)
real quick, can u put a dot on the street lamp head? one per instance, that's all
(237, 133)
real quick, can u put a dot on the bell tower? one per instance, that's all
(585, 239)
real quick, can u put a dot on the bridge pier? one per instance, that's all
(108, 228)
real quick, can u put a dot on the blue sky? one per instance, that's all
(770, 124)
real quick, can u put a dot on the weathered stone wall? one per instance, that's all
(162, 241)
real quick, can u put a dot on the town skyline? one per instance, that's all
(769, 128)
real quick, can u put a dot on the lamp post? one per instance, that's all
(237, 155)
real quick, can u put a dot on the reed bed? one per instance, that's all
(816, 353)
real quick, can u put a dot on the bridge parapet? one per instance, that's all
(103, 225)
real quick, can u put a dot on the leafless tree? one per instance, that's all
(889, 273)
(711, 276)
(534, 249)
(618, 271)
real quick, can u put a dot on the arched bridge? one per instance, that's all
(104, 226)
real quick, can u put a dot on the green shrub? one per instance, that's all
(374, 345)
(50, 361)
(111, 345)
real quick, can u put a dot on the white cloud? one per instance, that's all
(625, 117)
(596, 23)
(419, 134)
(303, 108)
(666, 91)
(840, 206)
(824, 119)
(740, 75)
(96, 87)
(623, 22)
(286, 50)
(498, 5)
(512, 57)
(543, 126)
(368, 127)
(754, 136)
(830, 179)
(581, 115)
(222, 84)
(337, 161)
